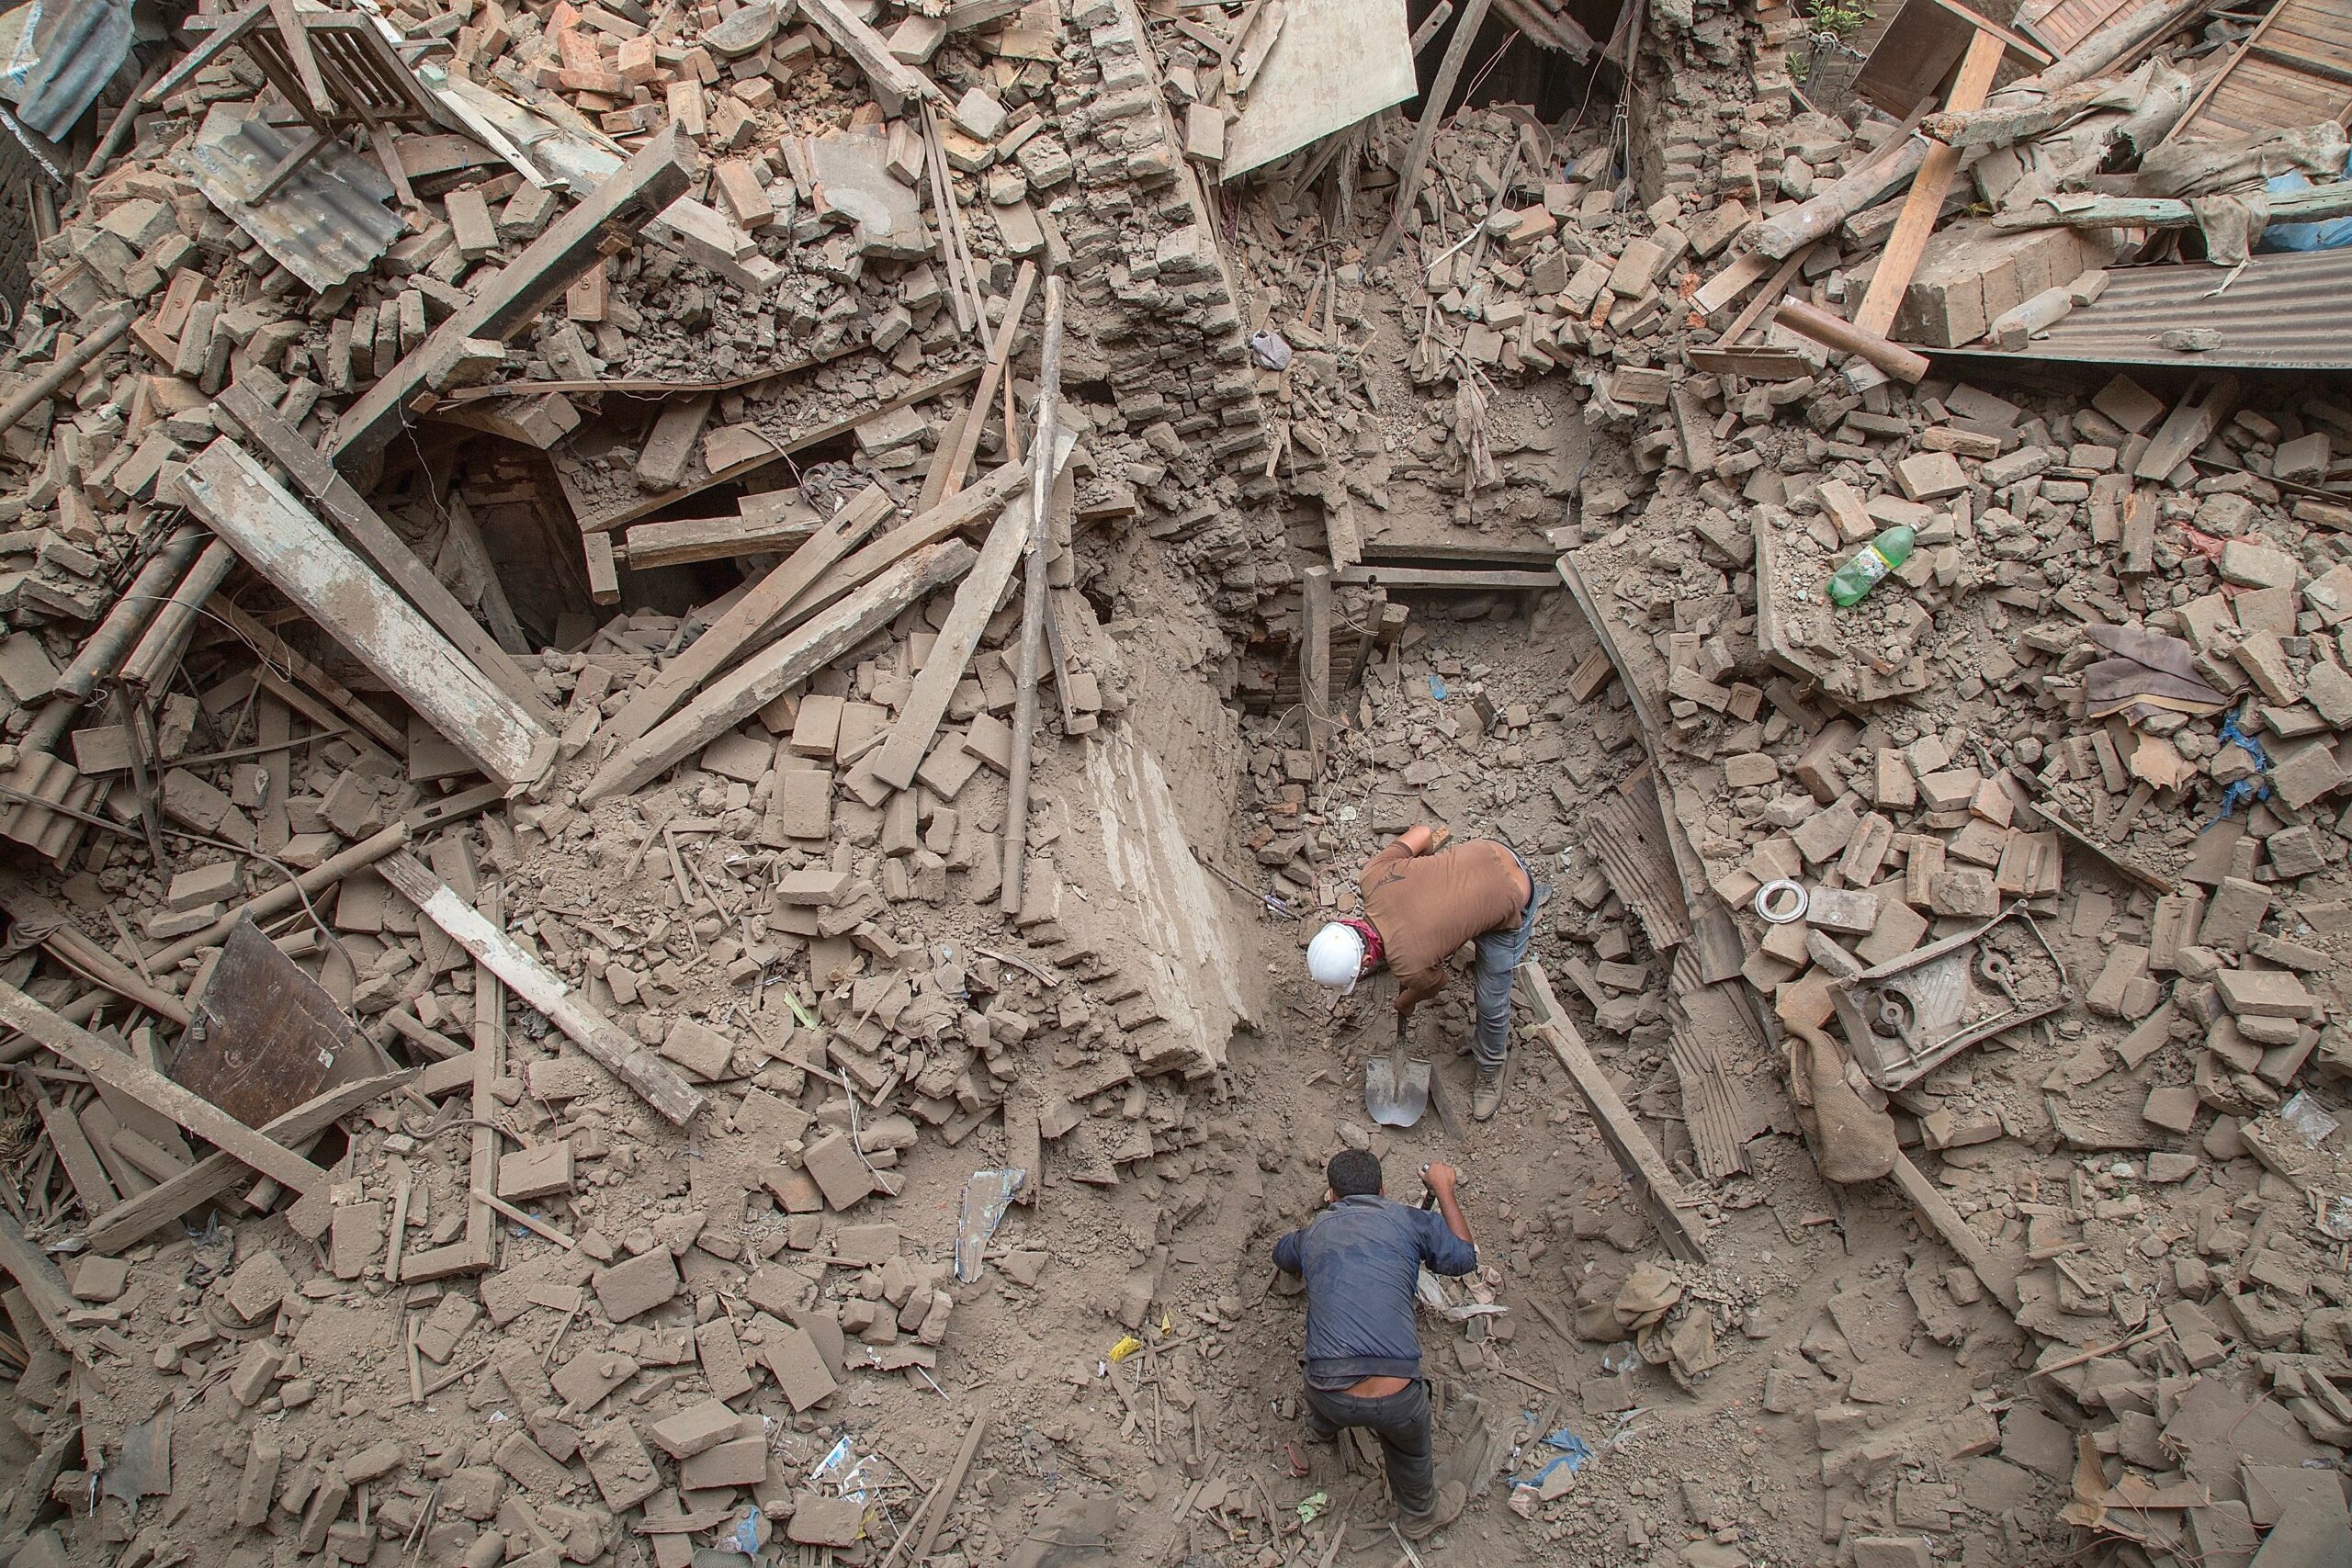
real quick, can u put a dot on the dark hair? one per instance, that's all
(1354, 1173)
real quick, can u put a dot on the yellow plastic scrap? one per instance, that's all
(1127, 1345)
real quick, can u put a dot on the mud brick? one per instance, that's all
(802, 804)
(724, 1366)
(2125, 962)
(1825, 834)
(2173, 927)
(534, 1173)
(257, 1367)
(695, 1428)
(818, 887)
(2306, 774)
(1843, 911)
(1930, 475)
(800, 1369)
(1950, 789)
(1896, 933)
(637, 1285)
(950, 766)
(1896, 788)
(824, 1521)
(1858, 866)
(1813, 768)
(101, 1279)
(2030, 862)
(2265, 993)
(738, 1461)
(1891, 1552)
(531, 1466)
(624, 1472)
(1746, 769)
(867, 1245)
(2234, 914)
(587, 1378)
(816, 727)
(2265, 664)
(700, 1049)
(2329, 690)
(1964, 893)
(2173, 1107)
(265, 1452)
(437, 1340)
(355, 1237)
(833, 1164)
(260, 1282)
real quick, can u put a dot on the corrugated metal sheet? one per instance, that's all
(2295, 69)
(64, 53)
(326, 223)
(2284, 312)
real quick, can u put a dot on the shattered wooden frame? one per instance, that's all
(337, 70)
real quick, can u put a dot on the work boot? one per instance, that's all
(1421, 1527)
(1488, 1097)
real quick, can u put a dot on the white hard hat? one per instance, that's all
(1336, 956)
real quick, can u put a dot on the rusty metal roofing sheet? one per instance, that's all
(2283, 312)
(61, 54)
(326, 222)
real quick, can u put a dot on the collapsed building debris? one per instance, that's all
(570, 983)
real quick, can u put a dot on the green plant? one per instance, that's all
(1840, 18)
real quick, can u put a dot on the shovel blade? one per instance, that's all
(1395, 1094)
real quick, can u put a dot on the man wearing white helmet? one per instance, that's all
(1419, 906)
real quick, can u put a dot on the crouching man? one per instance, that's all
(1359, 1259)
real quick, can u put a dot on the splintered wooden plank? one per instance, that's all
(42, 1280)
(126, 1075)
(655, 1080)
(302, 558)
(775, 670)
(216, 1173)
(740, 628)
(926, 706)
(1654, 1180)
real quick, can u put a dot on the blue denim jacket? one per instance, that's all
(1359, 1259)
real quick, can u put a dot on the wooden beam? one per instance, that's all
(1851, 337)
(286, 895)
(42, 1281)
(901, 753)
(2190, 423)
(1374, 576)
(1653, 1180)
(1945, 1221)
(683, 540)
(1417, 157)
(1315, 657)
(1925, 201)
(126, 1074)
(512, 296)
(1036, 612)
(304, 559)
(348, 510)
(133, 1218)
(83, 1167)
(895, 82)
(658, 1083)
(334, 697)
(743, 622)
(967, 429)
(775, 670)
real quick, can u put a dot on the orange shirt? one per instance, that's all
(1426, 908)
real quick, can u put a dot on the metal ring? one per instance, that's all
(1782, 901)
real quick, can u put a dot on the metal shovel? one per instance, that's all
(1395, 1092)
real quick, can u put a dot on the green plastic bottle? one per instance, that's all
(1881, 555)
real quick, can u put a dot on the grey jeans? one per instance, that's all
(1401, 1422)
(1500, 953)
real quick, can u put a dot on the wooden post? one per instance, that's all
(103, 335)
(1851, 337)
(101, 655)
(967, 429)
(1034, 608)
(514, 295)
(1925, 201)
(1417, 159)
(1314, 659)
(304, 559)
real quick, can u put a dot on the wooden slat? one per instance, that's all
(1926, 197)
(151, 1089)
